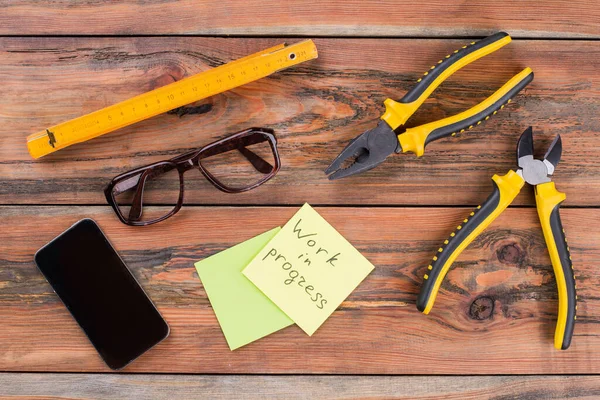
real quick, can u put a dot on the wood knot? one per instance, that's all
(510, 254)
(181, 111)
(482, 308)
(173, 74)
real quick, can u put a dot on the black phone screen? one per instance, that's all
(104, 298)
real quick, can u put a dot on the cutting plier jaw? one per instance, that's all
(365, 152)
(534, 171)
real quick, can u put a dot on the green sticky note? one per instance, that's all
(244, 312)
(308, 269)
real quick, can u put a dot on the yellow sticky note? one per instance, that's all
(308, 269)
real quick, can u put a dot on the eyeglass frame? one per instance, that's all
(190, 160)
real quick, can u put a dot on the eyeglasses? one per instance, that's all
(235, 164)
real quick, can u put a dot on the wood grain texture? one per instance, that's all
(315, 108)
(159, 387)
(377, 330)
(553, 18)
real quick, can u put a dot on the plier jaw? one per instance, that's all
(365, 152)
(536, 172)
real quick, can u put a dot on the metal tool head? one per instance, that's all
(535, 171)
(365, 152)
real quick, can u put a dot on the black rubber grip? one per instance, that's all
(431, 76)
(567, 267)
(468, 123)
(456, 238)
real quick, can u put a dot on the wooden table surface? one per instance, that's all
(490, 334)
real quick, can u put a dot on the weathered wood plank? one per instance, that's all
(158, 387)
(316, 108)
(553, 18)
(376, 331)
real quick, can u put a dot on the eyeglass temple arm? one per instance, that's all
(240, 144)
(138, 182)
(259, 163)
(135, 212)
(134, 180)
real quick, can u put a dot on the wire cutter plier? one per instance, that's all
(390, 136)
(537, 173)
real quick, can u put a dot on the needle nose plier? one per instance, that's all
(371, 148)
(506, 188)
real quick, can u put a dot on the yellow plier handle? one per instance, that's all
(398, 112)
(506, 188)
(548, 201)
(415, 139)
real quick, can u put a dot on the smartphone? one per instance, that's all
(107, 302)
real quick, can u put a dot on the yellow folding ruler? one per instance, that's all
(169, 97)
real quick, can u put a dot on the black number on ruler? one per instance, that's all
(170, 97)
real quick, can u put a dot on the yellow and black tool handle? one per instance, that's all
(397, 112)
(548, 201)
(506, 188)
(415, 139)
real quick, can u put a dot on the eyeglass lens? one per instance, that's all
(149, 195)
(240, 163)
